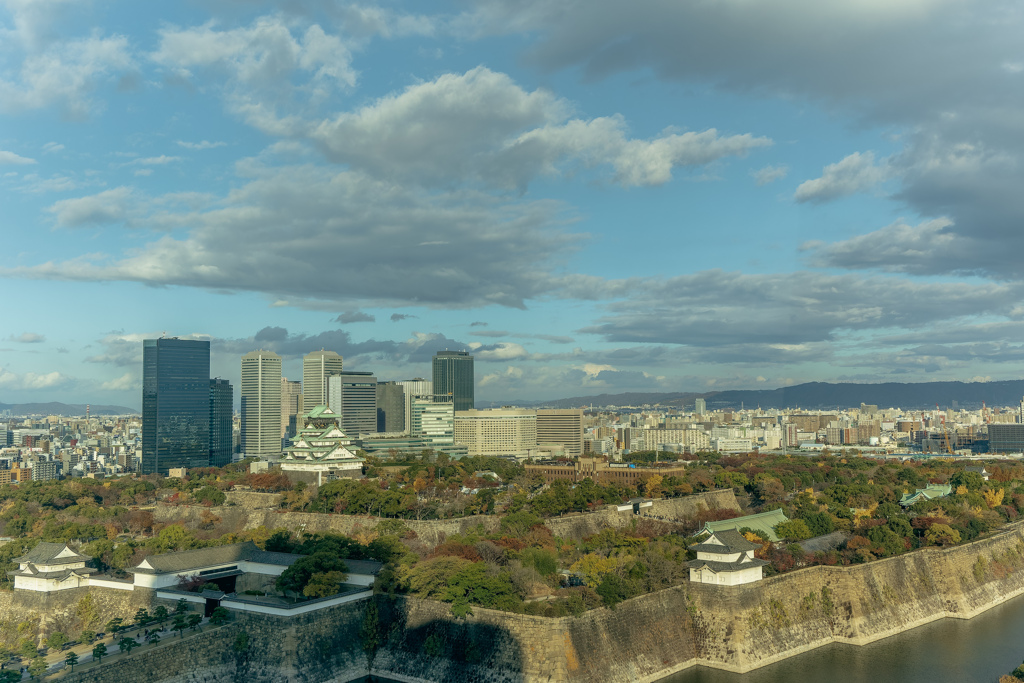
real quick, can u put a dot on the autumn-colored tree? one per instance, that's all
(942, 534)
(993, 497)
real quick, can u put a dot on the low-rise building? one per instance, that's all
(726, 558)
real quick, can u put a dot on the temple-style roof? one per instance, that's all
(719, 567)
(321, 440)
(51, 554)
(764, 522)
(194, 560)
(732, 542)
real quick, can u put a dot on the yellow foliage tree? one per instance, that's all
(993, 498)
(594, 568)
(961, 490)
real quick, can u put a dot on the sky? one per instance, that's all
(592, 196)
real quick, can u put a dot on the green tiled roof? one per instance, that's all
(764, 522)
(927, 493)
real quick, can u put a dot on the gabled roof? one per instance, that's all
(322, 411)
(928, 493)
(732, 541)
(764, 522)
(195, 560)
(51, 554)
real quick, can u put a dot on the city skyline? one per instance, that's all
(656, 198)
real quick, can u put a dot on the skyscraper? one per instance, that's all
(353, 395)
(453, 376)
(291, 407)
(390, 407)
(221, 413)
(699, 406)
(413, 388)
(175, 404)
(316, 368)
(261, 404)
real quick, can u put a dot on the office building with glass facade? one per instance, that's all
(316, 368)
(453, 376)
(221, 414)
(353, 395)
(175, 404)
(261, 404)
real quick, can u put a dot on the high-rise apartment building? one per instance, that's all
(563, 427)
(221, 413)
(316, 368)
(175, 404)
(353, 395)
(390, 407)
(291, 407)
(700, 406)
(261, 404)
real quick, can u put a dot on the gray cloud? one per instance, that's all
(855, 173)
(354, 317)
(27, 338)
(398, 317)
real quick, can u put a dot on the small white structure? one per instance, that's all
(726, 558)
(51, 567)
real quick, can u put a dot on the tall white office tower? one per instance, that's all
(261, 404)
(316, 368)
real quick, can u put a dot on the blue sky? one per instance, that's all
(593, 196)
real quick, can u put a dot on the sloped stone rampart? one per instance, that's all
(259, 509)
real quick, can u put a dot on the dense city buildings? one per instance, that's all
(353, 396)
(175, 404)
(411, 389)
(261, 404)
(433, 421)
(316, 368)
(453, 376)
(221, 411)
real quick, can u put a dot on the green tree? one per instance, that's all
(160, 614)
(37, 667)
(219, 616)
(142, 616)
(153, 638)
(942, 534)
(8, 676)
(793, 530)
(71, 659)
(193, 620)
(181, 606)
(56, 640)
(99, 652)
(369, 630)
(972, 480)
(324, 584)
(28, 648)
(88, 635)
(179, 624)
(241, 644)
(295, 578)
(115, 624)
(126, 644)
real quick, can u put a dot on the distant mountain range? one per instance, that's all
(65, 409)
(821, 396)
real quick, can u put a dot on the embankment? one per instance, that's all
(734, 628)
(252, 510)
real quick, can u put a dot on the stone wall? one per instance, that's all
(59, 610)
(737, 628)
(253, 510)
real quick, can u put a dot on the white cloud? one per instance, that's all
(27, 338)
(12, 158)
(31, 380)
(482, 126)
(855, 173)
(769, 174)
(109, 206)
(125, 382)
(51, 147)
(203, 144)
(155, 161)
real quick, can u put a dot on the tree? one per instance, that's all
(71, 659)
(115, 624)
(28, 648)
(942, 534)
(295, 578)
(8, 676)
(126, 644)
(219, 617)
(37, 667)
(99, 652)
(193, 620)
(88, 636)
(153, 638)
(142, 616)
(179, 624)
(56, 640)
(181, 606)
(324, 584)
(972, 480)
(160, 614)
(793, 530)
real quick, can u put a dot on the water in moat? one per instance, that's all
(978, 650)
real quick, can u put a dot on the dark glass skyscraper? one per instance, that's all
(453, 376)
(175, 404)
(221, 406)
